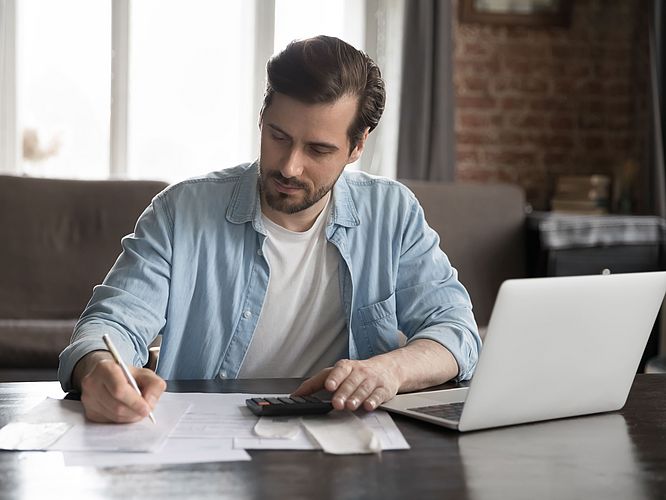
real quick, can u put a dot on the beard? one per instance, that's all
(286, 203)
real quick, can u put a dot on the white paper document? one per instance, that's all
(84, 435)
(174, 451)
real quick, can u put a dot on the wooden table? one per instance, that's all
(620, 455)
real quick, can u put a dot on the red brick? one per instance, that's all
(475, 83)
(509, 138)
(561, 122)
(530, 121)
(482, 176)
(513, 103)
(509, 157)
(473, 138)
(594, 142)
(473, 120)
(475, 48)
(476, 102)
(467, 156)
(550, 103)
(617, 88)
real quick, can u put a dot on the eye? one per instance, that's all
(277, 137)
(317, 151)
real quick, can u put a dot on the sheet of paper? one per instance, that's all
(31, 437)
(203, 434)
(174, 451)
(215, 416)
(88, 436)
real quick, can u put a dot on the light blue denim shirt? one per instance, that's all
(194, 271)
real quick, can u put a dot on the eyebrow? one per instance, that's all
(326, 145)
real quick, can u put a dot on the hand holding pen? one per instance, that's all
(116, 356)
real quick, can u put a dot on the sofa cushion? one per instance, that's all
(33, 343)
(482, 230)
(60, 238)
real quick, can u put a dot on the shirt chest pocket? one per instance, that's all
(379, 326)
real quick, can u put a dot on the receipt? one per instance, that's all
(277, 427)
(342, 433)
(26, 436)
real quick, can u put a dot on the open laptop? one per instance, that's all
(555, 347)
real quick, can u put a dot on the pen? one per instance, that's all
(116, 355)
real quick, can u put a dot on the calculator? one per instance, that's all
(288, 406)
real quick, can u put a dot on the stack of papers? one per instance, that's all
(192, 428)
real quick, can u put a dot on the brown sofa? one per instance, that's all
(59, 239)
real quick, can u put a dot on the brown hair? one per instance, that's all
(322, 70)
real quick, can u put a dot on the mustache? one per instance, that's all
(287, 181)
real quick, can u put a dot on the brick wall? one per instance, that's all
(534, 103)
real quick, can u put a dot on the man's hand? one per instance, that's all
(369, 383)
(354, 383)
(106, 394)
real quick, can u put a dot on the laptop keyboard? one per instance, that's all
(449, 411)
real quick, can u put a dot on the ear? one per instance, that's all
(356, 152)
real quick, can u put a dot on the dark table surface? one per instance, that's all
(619, 455)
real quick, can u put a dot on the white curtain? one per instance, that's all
(8, 135)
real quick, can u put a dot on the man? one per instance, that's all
(287, 267)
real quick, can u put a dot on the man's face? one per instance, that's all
(304, 149)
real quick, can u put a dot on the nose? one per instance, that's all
(293, 165)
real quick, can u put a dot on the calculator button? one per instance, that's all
(288, 401)
(299, 399)
(312, 399)
(274, 401)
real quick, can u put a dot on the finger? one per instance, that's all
(338, 374)
(107, 396)
(379, 395)
(101, 406)
(362, 392)
(119, 413)
(152, 386)
(120, 391)
(347, 388)
(313, 384)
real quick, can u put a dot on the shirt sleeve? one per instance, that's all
(430, 300)
(130, 305)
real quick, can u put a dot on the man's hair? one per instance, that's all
(322, 70)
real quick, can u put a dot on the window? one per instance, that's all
(191, 74)
(188, 87)
(63, 101)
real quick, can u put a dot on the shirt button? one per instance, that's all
(260, 253)
(223, 374)
(247, 314)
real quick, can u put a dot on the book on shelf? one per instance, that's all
(580, 207)
(583, 194)
(583, 181)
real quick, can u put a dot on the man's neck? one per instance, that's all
(299, 221)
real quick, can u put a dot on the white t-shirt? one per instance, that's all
(302, 328)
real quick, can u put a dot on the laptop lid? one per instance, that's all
(559, 347)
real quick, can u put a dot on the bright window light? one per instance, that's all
(64, 75)
(296, 19)
(190, 87)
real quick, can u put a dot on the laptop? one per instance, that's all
(554, 348)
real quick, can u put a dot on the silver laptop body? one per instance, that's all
(555, 347)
